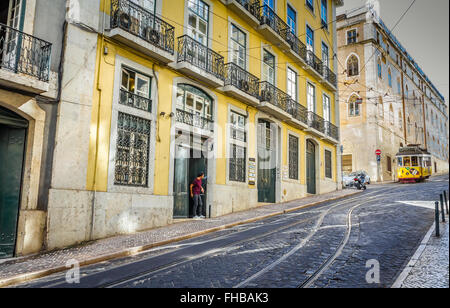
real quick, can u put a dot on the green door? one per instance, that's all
(12, 147)
(266, 163)
(181, 185)
(311, 167)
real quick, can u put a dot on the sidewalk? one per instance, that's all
(28, 268)
(430, 267)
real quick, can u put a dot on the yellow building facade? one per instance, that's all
(244, 91)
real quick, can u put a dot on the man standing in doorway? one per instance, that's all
(197, 190)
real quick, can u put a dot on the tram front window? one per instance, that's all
(407, 161)
(400, 161)
(415, 161)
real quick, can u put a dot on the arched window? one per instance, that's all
(409, 126)
(192, 100)
(354, 106)
(390, 77)
(380, 73)
(352, 66)
(400, 120)
(391, 115)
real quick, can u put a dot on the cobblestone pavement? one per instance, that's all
(113, 245)
(312, 247)
(432, 268)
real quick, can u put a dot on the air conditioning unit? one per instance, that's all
(125, 21)
(152, 35)
(244, 85)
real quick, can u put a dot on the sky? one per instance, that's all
(424, 32)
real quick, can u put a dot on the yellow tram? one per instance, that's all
(413, 164)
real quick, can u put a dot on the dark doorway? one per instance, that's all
(190, 161)
(311, 167)
(3, 21)
(267, 170)
(13, 131)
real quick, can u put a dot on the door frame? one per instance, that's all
(19, 123)
(215, 146)
(279, 150)
(317, 163)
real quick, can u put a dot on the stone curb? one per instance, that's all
(138, 249)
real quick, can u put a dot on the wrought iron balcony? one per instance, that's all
(330, 76)
(299, 112)
(316, 122)
(314, 62)
(253, 6)
(331, 130)
(194, 120)
(135, 101)
(136, 20)
(274, 22)
(248, 10)
(24, 54)
(200, 56)
(274, 96)
(297, 46)
(241, 79)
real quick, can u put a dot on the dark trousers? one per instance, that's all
(198, 205)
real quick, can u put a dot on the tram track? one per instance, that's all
(142, 274)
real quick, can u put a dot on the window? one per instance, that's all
(293, 157)
(292, 19)
(325, 55)
(414, 161)
(391, 115)
(238, 163)
(379, 68)
(311, 97)
(309, 38)
(192, 100)
(268, 67)
(324, 14)
(135, 90)
(351, 37)
(400, 120)
(390, 77)
(399, 86)
(270, 3)
(326, 108)
(238, 47)
(310, 4)
(198, 21)
(292, 84)
(347, 162)
(238, 147)
(149, 5)
(380, 107)
(328, 165)
(352, 66)
(238, 123)
(407, 161)
(132, 153)
(354, 106)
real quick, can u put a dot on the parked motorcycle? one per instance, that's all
(360, 182)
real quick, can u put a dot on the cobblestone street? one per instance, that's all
(313, 247)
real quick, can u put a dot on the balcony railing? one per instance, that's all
(314, 62)
(274, 96)
(135, 101)
(136, 20)
(194, 120)
(193, 52)
(331, 130)
(24, 54)
(316, 122)
(330, 76)
(241, 79)
(253, 6)
(268, 17)
(299, 112)
(297, 46)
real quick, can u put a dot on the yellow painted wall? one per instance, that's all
(173, 10)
